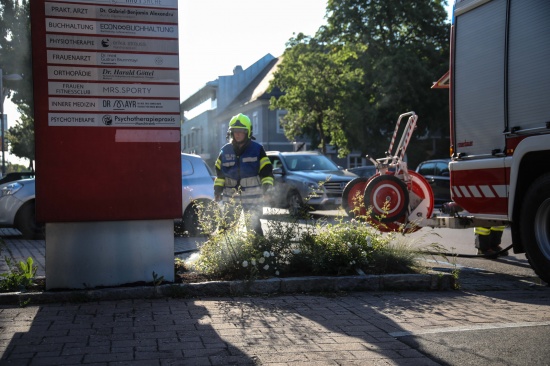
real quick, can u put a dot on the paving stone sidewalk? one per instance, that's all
(18, 249)
(356, 329)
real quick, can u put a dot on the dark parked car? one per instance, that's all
(363, 171)
(437, 174)
(307, 180)
(13, 176)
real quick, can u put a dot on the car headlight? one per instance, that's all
(10, 189)
(315, 189)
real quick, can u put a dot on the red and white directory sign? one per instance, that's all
(107, 117)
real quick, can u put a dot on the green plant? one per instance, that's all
(399, 256)
(157, 280)
(20, 276)
(298, 247)
(455, 271)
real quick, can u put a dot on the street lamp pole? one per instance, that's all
(2, 128)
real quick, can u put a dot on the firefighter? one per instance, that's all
(488, 239)
(243, 172)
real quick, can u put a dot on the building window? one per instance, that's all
(255, 124)
(224, 136)
(355, 161)
(280, 116)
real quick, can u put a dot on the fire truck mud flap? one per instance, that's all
(535, 226)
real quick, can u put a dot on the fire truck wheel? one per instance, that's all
(351, 197)
(388, 197)
(535, 227)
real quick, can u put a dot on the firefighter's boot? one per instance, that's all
(496, 238)
(483, 242)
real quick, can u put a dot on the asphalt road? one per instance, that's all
(519, 344)
(458, 245)
(507, 343)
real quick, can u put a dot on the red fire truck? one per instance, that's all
(499, 92)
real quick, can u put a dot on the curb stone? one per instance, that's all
(312, 284)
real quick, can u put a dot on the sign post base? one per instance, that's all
(83, 255)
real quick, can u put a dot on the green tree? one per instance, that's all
(374, 60)
(16, 51)
(21, 138)
(406, 50)
(314, 79)
(16, 58)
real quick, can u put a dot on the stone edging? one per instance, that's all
(313, 284)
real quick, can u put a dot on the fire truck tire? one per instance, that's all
(390, 189)
(535, 227)
(353, 190)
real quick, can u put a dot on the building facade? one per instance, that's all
(206, 114)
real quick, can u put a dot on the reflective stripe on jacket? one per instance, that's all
(480, 230)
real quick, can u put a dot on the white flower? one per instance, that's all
(266, 254)
(276, 273)
(253, 262)
(349, 244)
(266, 267)
(245, 264)
(261, 260)
(296, 251)
(272, 254)
(369, 242)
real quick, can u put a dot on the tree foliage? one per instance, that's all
(374, 60)
(21, 137)
(315, 80)
(16, 58)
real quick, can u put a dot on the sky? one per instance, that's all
(217, 35)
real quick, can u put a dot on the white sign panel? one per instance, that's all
(113, 90)
(144, 3)
(114, 105)
(111, 13)
(113, 120)
(112, 59)
(110, 43)
(111, 74)
(55, 25)
(112, 63)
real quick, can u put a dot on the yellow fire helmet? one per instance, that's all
(241, 122)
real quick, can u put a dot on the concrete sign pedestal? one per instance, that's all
(92, 254)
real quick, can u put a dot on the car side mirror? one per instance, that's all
(278, 171)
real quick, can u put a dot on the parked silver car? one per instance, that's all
(17, 200)
(197, 182)
(307, 180)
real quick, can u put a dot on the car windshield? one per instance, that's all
(309, 162)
